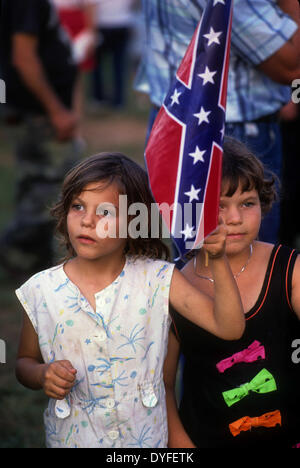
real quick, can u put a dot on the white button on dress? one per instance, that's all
(113, 435)
(110, 403)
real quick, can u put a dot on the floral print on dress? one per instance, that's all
(118, 349)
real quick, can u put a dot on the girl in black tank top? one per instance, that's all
(241, 393)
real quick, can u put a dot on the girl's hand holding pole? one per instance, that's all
(214, 245)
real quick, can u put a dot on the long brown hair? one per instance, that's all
(131, 180)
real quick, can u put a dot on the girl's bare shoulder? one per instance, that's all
(263, 250)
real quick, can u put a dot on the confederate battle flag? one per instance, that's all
(184, 151)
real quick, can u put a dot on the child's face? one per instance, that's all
(242, 215)
(91, 214)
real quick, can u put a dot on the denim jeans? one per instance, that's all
(114, 44)
(264, 139)
(152, 116)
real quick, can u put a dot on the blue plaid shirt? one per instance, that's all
(259, 29)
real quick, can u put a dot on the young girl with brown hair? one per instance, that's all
(241, 393)
(95, 330)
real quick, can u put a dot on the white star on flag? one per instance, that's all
(222, 131)
(188, 232)
(197, 155)
(219, 1)
(202, 116)
(212, 36)
(207, 76)
(175, 97)
(193, 193)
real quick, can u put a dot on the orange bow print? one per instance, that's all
(246, 423)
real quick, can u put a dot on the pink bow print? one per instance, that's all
(254, 352)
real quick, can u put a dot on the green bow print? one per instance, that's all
(263, 382)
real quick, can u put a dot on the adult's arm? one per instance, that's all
(268, 36)
(26, 60)
(284, 66)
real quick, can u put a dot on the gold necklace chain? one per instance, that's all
(235, 276)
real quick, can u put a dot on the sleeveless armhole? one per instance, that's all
(27, 298)
(266, 285)
(289, 276)
(173, 327)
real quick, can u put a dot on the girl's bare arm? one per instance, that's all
(56, 379)
(30, 363)
(223, 316)
(178, 438)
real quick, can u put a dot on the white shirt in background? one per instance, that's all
(115, 13)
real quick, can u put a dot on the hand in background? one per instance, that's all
(65, 124)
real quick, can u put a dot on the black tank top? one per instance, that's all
(271, 327)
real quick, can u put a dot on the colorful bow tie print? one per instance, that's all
(244, 424)
(263, 382)
(254, 352)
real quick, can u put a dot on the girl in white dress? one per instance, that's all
(95, 331)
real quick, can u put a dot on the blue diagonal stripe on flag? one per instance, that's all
(185, 147)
